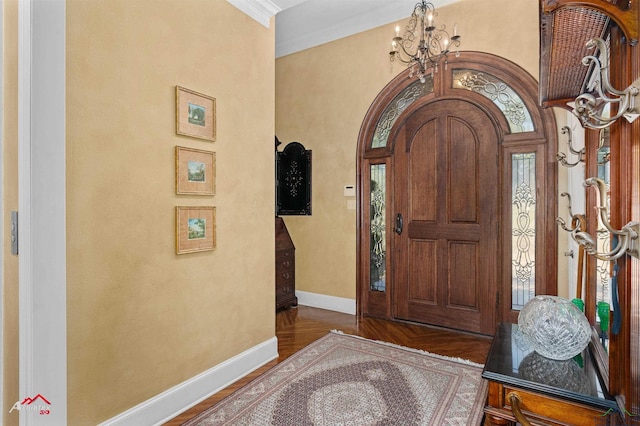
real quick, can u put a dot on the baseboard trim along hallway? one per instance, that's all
(174, 401)
(331, 303)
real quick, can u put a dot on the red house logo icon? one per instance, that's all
(29, 401)
(40, 404)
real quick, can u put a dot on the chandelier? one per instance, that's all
(423, 46)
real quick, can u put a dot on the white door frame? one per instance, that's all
(42, 203)
(2, 230)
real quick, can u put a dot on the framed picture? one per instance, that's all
(195, 229)
(195, 114)
(195, 171)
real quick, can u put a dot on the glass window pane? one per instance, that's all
(378, 244)
(395, 108)
(503, 96)
(603, 268)
(523, 229)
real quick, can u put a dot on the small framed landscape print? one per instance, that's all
(195, 114)
(195, 229)
(195, 171)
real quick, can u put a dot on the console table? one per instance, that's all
(527, 388)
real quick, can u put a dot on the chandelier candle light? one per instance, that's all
(423, 46)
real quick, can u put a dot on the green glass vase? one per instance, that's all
(603, 310)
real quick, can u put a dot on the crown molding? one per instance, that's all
(299, 28)
(260, 10)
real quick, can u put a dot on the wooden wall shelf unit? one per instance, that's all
(565, 27)
(623, 12)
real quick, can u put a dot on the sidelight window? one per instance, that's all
(378, 228)
(523, 229)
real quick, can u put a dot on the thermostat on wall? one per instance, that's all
(349, 191)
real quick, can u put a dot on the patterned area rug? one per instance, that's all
(346, 380)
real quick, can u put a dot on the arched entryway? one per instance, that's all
(457, 189)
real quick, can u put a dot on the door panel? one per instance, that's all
(422, 171)
(463, 285)
(462, 187)
(422, 277)
(446, 189)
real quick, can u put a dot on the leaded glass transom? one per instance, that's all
(503, 96)
(395, 108)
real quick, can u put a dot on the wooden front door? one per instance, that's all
(446, 217)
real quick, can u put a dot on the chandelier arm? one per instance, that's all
(401, 59)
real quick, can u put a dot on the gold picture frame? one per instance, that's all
(195, 229)
(195, 171)
(195, 114)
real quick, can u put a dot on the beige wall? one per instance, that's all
(9, 203)
(140, 318)
(322, 96)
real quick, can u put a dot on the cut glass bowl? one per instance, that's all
(554, 327)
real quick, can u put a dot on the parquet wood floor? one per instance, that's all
(297, 327)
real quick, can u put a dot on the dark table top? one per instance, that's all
(511, 363)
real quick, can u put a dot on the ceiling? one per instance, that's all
(302, 24)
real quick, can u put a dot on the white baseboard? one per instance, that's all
(170, 403)
(322, 301)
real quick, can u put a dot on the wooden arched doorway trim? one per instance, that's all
(408, 275)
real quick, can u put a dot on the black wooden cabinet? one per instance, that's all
(293, 180)
(285, 267)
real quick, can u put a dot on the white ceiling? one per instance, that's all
(302, 24)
